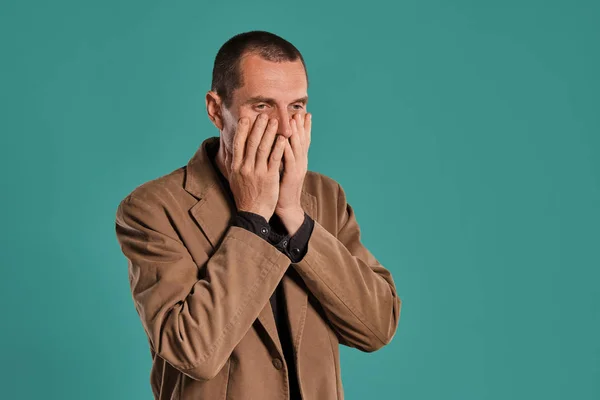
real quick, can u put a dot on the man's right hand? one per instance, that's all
(254, 168)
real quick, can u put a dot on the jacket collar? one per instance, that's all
(201, 175)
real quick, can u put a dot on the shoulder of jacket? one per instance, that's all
(157, 190)
(321, 186)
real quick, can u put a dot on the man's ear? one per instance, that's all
(213, 109)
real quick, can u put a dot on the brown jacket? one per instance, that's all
(201, 288)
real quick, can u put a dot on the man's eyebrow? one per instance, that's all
(268, 100)
(302, 100)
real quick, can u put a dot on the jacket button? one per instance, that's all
(264, 231)
(277, 363)
(296, 251)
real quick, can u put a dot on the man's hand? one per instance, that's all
(289, 208)
(254, 174)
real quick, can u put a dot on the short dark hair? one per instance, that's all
(227, 76)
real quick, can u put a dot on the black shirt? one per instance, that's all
(294, 247)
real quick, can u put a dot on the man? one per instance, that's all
(246, 269)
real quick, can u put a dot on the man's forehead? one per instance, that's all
(259, 75)
(252, 62)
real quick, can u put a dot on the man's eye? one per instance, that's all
(298, 106)
(261, 106)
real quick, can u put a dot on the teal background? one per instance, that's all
(465, 134)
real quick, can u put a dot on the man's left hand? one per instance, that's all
(289, 208)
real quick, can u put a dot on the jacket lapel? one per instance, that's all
(213, 213)
(296, 292)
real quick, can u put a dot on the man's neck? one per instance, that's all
(220, 159)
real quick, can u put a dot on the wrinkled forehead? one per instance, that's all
(279, 80)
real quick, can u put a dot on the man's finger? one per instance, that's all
(254, 139)
(239, 142)
(295, 142)
(277, 153)
(288, 156)
(307, 128)
(266, 143)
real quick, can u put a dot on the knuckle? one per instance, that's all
(245, 170)
(276, 157)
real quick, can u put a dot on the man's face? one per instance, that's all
(278, 89)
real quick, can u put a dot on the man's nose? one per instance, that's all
(284, 128)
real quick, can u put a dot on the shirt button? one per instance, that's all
(264, 231)
(296, 250)
(277, 363)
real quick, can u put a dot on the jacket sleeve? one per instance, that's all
(194, 323)
(356, 292)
